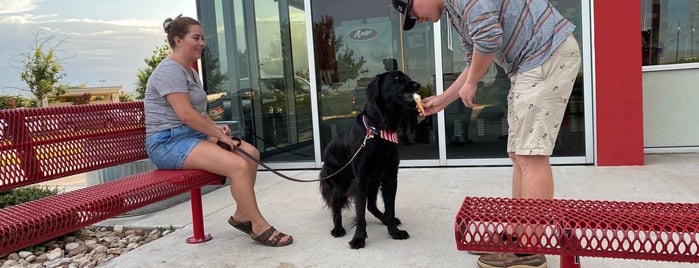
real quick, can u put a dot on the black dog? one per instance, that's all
(390, 107)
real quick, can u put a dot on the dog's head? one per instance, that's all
(390, 101)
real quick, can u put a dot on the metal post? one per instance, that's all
(568, 261)
(197, 219)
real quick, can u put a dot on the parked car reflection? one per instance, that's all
(276, 110)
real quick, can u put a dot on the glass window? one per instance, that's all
(256, 75)
(667, 31)
(482, 132)
(356, 40)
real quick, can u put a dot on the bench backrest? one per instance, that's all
(41, 144)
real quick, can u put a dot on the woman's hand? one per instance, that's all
(225, 129)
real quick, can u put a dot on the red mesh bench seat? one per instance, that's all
(571, 228)
(42, 144)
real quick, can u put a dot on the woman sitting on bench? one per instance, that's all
(180, 135)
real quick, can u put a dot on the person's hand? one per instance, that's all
(225, 129)
(468, 95)
(432, 105)
(227, 143)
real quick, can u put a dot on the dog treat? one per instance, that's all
(418, 100)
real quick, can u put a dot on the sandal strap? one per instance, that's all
(265, 235)
(274, 241)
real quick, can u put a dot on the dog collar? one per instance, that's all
(386, 135)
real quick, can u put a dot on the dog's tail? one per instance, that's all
(334, 190)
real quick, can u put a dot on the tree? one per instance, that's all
(125, 98)
(84, 99)
(159, 54)
(348, 65)
(43, 71)
(212, 72)
(336, 61)
(11, 102)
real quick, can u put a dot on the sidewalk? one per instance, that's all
(427, 201)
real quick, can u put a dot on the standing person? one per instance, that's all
(180, 135)
(534, 44)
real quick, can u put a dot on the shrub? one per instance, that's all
(25, 194)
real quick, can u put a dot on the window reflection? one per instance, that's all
(482, 132)
(353, 42)
(256, 71)
(667, 31)
(256, 75)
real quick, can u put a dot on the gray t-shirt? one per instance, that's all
(170, 77)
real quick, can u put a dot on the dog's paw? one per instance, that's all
(357, 243)
(338, 232)
(400, 235)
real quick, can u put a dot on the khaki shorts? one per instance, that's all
(538, 99)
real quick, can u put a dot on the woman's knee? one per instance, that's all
(251, 150)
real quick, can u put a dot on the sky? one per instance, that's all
(98, 42)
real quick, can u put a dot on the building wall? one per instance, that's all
(618, 83)
(670, 113)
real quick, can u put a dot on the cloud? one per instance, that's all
(23, 18)
(126, 22)
(18, 6)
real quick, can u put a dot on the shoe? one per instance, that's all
(275, 241)
(245, 227)
(510, 260)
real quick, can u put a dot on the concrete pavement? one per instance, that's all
(427, 201)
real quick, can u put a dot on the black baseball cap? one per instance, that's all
(405, 6)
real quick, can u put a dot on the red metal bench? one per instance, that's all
(572, 228)
(42, 144)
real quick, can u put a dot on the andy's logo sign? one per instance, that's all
(362, 34)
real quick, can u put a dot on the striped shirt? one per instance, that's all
(521, 33)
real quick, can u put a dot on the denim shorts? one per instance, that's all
(168, 149)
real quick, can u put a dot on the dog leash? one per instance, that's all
(249, 156)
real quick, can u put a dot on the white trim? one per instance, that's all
(670, 67)
(670, 150)
(590, 82)
(439, 89)
(315, 114)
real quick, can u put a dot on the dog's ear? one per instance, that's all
(373, 90)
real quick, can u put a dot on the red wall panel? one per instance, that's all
(618, 82)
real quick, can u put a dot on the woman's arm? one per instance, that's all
(193, 119)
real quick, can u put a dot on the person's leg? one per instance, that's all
(537, 177)
(536, 106)
(516, 176)
(242, 172)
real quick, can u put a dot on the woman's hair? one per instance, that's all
(179, 26)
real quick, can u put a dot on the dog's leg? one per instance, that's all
(388, 190)
(373, 195)
(336, 201)
(360, 234)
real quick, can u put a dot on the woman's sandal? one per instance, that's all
(245, 227)
(275, 241)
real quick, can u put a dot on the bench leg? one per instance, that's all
(568, 261)
(197, 218)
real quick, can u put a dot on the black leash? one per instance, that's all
(249, 156)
